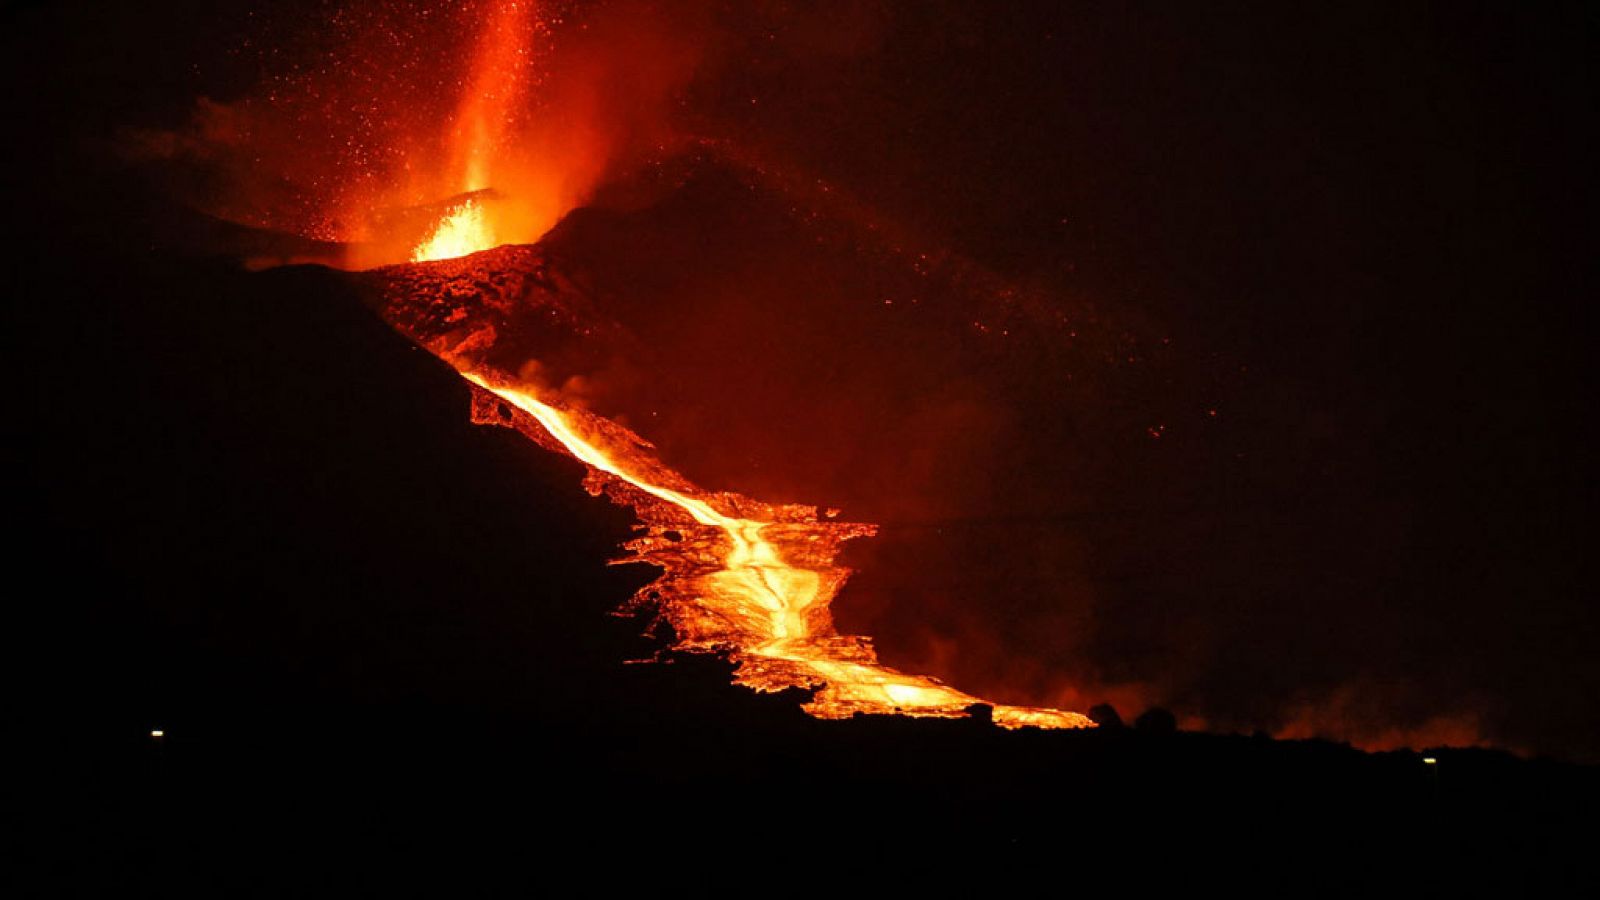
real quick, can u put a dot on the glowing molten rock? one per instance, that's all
(464, 231)
(739, 576)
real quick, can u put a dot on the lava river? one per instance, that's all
(739, 576)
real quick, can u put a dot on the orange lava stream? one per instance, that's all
(772, 612)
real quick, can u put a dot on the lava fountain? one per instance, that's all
(488, 110)
(756, 580)
(461, 232)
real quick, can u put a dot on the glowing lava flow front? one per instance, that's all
(763, 590)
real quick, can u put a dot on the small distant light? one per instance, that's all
(159, 733)
(1429, 761)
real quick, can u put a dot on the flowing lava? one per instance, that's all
(739, 576)
(750, 579)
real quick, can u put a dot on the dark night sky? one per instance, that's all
(1357, 233)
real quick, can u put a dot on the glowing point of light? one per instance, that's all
(1430, 761)
(158, 733)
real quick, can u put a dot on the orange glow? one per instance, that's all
(538, 123)
(490, 140)
(494, 92)
(477, 144)
(372, 132)
(478, 136)
(751, 579)
(1343, 714)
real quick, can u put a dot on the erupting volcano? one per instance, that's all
(980, 279)
(667, 430)
(740, 576)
